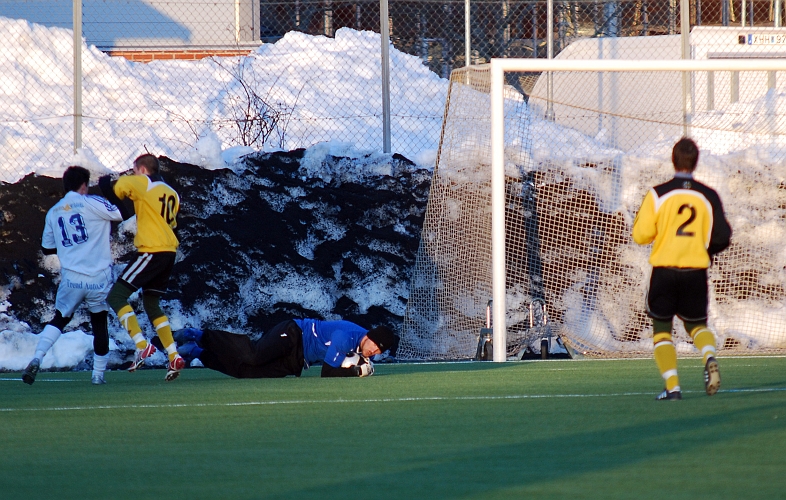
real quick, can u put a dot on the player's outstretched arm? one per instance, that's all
(330, 371)
(105, 185)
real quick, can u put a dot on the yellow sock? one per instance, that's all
(666, 359)
(130, 323)
(704, 340)
(164, 332)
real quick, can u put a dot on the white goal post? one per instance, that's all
(498, 70)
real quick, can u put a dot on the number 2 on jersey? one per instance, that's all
(168, 208)
(681, 230)
(78, 237)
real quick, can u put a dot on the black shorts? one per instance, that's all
(680, 292)
(278, 353)
(150, 272)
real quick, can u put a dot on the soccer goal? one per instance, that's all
(527, 227)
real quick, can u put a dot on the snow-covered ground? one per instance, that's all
(319, 89)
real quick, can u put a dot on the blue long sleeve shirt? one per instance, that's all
(329, 341)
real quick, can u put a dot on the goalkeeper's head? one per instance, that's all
(383, 339)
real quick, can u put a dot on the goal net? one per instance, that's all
(577, 153)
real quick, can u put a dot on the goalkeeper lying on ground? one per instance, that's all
(343, 347)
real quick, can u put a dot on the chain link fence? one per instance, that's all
(314, 74)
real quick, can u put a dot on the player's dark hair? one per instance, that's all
(74, 177)
(148, 161)
(685, 155)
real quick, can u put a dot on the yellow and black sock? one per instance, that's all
(131, 324)
(118, 301)
(164, 332)
(666, 359)
(704, 340)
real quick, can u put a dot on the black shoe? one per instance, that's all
(711, 376)
(669, 395)
(28, 376)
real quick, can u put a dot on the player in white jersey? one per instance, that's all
(77, 229)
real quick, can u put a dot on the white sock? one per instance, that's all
(171, 349)
(45, 341)
(99, 364)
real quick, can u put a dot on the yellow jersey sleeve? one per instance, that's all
(644, 228)
(156, 205)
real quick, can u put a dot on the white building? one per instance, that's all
(149, 24)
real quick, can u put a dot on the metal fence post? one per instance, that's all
(550, 55)
(385, 32)
(686, 76)
(467, 34)
(77, 75)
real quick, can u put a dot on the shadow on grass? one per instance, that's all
(477, 471)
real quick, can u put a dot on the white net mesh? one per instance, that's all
(573, 187)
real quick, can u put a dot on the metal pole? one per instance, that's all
(327, 17)
(237, 21)
(550, 55)
(777, 14)
(710, 90)
(77, 75)
(467, 34)
(384, 29)
(498, 212)
(685, 36)
(742, 14)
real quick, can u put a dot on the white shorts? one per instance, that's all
(75, 288)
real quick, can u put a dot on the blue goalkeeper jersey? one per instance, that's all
(329, 341)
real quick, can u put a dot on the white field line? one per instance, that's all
(362, 401)
(19, 379)
(693, 357)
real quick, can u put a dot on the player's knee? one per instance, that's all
(693, 327)
(118, 296)
(661, 326)
(60, 321)
(152, 306)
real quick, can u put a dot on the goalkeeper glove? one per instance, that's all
(352, 359)
(366, 367)
(359, 364)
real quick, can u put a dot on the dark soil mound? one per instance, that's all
(257, 246)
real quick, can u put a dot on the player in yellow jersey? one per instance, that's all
(684, 221)
(156, 205)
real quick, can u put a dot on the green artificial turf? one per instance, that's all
(542, 429)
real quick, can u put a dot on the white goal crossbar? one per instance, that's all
(498, 68)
